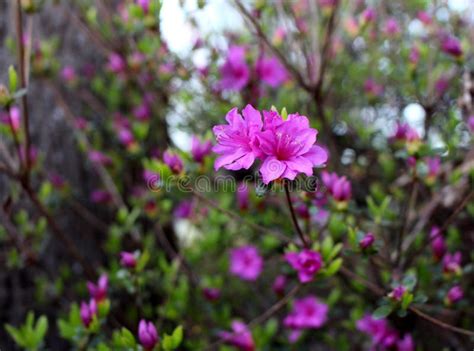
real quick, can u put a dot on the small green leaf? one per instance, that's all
(334, 267)
(382, 311)
(13, 79)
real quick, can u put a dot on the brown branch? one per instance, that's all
(439, 323)
(296, 74)
(293, 216)
(24, 99)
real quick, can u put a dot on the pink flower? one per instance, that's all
(438, 245)
(246, 263)
(368, 15)
(81, 123)
(287, 147)
(307, 313)
(173, 161)
(144, 4)
(243, 196)
(451, 46)
(441, 85)
(13, 119)
(279, 285)
(397, 293)
(116, 63)
(128, 259)
(87, 312)
(434, 166)
(142, 112)
(98, 157)
(372, 88)
(126, 137)
(199, 149)
(211, 294)
(379, 330)
(307, 263)
(100, 196)
(240, 337)
(470, 123)
(278, 35)
(414, 55)
(147, 334)
(424, 17)
(235, 71)
(367, 241)
(392, 27)
(454, 294)
(57, 180)
(271, 71)
(236, 141)
(99, 291)
(184, 209)
(406, 344)
(339, 187)
(68, 74)
(452, 262)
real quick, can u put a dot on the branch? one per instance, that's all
(296, 74)
(293, 216)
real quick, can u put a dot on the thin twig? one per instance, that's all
(293, 216)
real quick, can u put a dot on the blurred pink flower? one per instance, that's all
(470, 123)
(116, 63)
(452, 262)
(307, 263)
(235, 72)
(13, 119)
(211, 294)
(424, 17)
(339, 187)
(100, 196)
(243, 196)
(454, 294)
(367, 241)
(392, 27)
(246, 263)
(142, 112)
(147, 334)
(414, 55)
(240, 337)
(438, 246)
(184, 209)
(451, 46)
(68, 74)
(200, 149)
(368, 15)
(144, 4)
(87, 312)
(372, 88)
(382, 334)
(99, 157)
(271, 71)
(397, 293)
(99, 291)
(406, 344)
(128, 259)
(173, 161)
(307, 313)
(279, 285)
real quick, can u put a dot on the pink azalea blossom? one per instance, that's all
(438, 246)
(372, 88)
(380, 331)
(184, 209)
(200, 149)
(424, 17)
(142, 112)
(116, 63)
(306, 262)
(434, 166)
(367, 241)
(173, 161)
(235, 72)
(100, 196)
(246, 263)
(414, 55)
(87, 312)
(339, 187)
(240, 337)
(147, 334)
(243, 196)
(288, 147)
(452, 262)
(451, 46)
(470, 123)
(144, 4)
(68, 74)
(236, 140)
(441, 85)
(279, 285)
(397, 293)
(406, 344)
(368, 15)
(99, 291)
(307, 313)
(392, 27)
(271, 71)
(13, 119)
(211, 294)
(126, 137)
(99, 157)
(454, 294)
(57, 180)
(128, 259)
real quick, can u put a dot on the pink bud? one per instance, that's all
(147, 334)
(367, 241)
(128, 259)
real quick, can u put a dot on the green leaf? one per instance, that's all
(13, 79)
(382, 311)
(41, 328)
(334, 267)
(171, 342)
